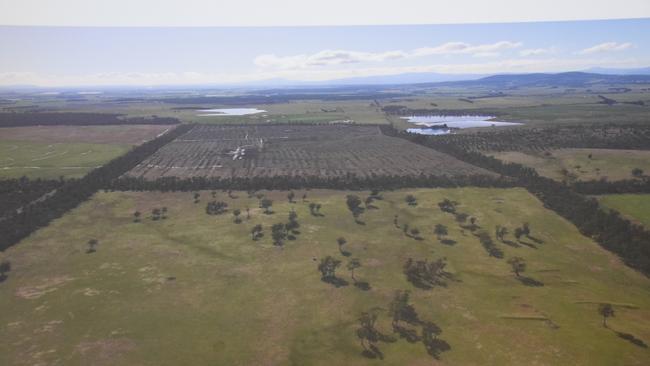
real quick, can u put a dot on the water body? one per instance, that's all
(437, 123)
(228, 112)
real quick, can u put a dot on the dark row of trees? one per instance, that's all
(19, 225)
(629, 241)
(78, 119)
(348, 182)
(604, 136)
(16, 193)
(593, 187)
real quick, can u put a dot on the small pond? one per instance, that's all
(442, 125)
(228, 112)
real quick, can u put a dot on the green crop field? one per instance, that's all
(43, 160)
(576, 164)
(195, 289)
(634, 206)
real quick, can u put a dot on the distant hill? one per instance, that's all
(611, 71)
(566, 79)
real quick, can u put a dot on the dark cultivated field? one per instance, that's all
(296, 150)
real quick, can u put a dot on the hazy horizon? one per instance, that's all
(131, 56)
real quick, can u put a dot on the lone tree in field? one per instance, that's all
(341, 242)
(415, 233)
(216, 208)
(524, 230)
(353, 264)
(163, 212)
(369, 336)
(606, 311)
(136, 216)
(500, 232)
(440, 230)
(403, 315)
(354, 205)
(518, 265)
(196, 197)
(637, 172)
(266, 205)
(256, 232)
(5, 266)
(448, 206)
(291, 196)
(411, 200)
(92, 243)
(279, 234)
(236, 212)
(327, 268)
(155, 214)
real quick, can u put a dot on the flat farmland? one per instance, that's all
(68, 151)
(196, 289)
(296, 150)
(581, 164)
(635, 207)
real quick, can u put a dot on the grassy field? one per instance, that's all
(635, 206)
(69, 151)
(52, 160)
(196, 289)
(575, 164)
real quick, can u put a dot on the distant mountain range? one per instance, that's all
(566, 79)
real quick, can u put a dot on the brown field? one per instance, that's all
(132, 134)
(298, 150)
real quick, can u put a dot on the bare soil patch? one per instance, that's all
(131, 134)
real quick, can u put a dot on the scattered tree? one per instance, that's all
(136, 216)
(196, 197)
(411, 200)
(606, 311)
(266, 205)
(256, 232)
(440, 230)
(92, 243)
(279, 234)
(518, 265)
(291, 196)
(216, 208)
(5, 266)
(236, 212)
(425, 274)
(327, 268)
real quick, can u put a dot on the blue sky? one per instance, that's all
(89, 56)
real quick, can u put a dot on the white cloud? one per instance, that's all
(512, 65)
(537, 51)
(342, 57)
(606, 47)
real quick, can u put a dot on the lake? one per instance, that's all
(228, 112)
(452, 122)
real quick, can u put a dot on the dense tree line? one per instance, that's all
(629, 241)
(349, 182)
(78, 119)
(16, 193)
(73, 192)
(253, 99)
(608, 187)
(602, 136)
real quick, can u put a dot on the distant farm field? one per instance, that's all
(296, 150)
(69, 151)
(576, 164)
(194, 288)
(52, 160)
(635, 206)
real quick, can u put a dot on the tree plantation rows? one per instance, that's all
(601, 136)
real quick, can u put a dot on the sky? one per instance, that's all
(103, 56)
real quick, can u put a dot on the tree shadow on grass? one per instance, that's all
(632, 339)
(536, 240)
(359, 222)
(449, 242)
(528, 281)
(363, 286)
(411, 335)
(510, 243)
(530, 245)
(335, 281)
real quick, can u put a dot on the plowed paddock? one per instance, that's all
(275, 150)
